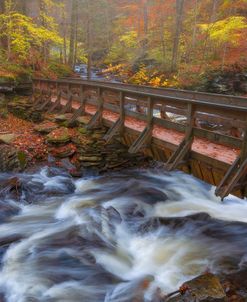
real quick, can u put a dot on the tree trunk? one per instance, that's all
(76, 41)
(145, 26)
(73, 32)
(89, 40)
(22, 5)
(191, 49)
(43, 12)
(206, 42)
(179, 22)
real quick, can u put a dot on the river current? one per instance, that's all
(114, 238)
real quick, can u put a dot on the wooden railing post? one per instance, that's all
(118, 126)
(100, 105)
(145, 137)
(184, 148)
(81, 110)
(150, 112)
(244, 146)
(122, 111)
(97, 118)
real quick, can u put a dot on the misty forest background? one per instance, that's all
(195, 44)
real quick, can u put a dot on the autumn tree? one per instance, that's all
(22, 34)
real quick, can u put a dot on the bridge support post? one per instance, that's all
(146, 136)
(184, 148)
(68, 106)
(118, 126)
(236, 176)
(81, 110)
(56, 104)
(46, 101)
(97, 118)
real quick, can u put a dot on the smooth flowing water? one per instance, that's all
(118, 237)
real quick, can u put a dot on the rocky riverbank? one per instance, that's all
(29, 137)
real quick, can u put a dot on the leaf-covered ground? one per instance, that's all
(27, 139)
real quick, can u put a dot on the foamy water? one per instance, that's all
(99, 239)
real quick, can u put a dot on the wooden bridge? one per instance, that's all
(200, 133)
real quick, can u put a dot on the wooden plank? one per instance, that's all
(195, 169)
(218, 176)
(146, 136)
(184, 148)
(218, 138)
(207, 174)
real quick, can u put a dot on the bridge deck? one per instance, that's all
(218, 156)
(203, 146)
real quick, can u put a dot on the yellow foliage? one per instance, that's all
(226, 30)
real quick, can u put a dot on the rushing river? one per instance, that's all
(118, 237)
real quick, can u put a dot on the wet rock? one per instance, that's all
(205, 288)
(7, 210)
(8, 240)
(8, 185)
(9, 160)
(114, 215)
(46, 127)
(2, 297)
(7, 138)
(59, 136)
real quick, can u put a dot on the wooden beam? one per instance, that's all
(46, 102)
(241, 172)
(145, 137)
(185, 147)
(97, 118)
(56, 104)
(118, 127)
(68, 106)
(81, 110)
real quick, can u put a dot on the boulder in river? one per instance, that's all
(205, 288)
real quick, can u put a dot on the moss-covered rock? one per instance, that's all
(46, 127)
(59, 136)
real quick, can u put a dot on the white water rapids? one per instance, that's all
(100, 239)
